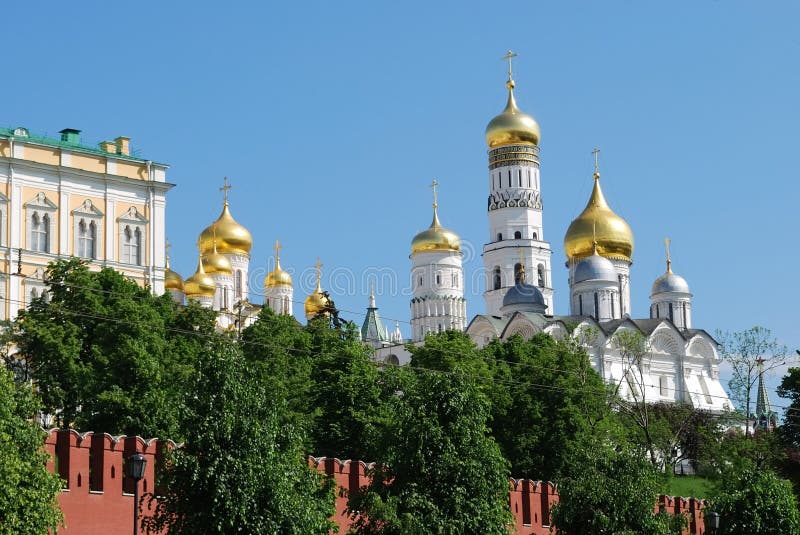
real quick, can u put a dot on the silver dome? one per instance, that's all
(670, 282)
(527, 295)
(595, 267)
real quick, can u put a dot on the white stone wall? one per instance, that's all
(438, 304)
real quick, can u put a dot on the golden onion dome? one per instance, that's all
(317, 302)
(215, 262)
(172, 281)
(599, 223)
(512, 126)
(277, 277)
(231, 237)
(436, 238)
(200, 284)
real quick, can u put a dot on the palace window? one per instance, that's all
(40, 232)
(87, 239)
(132, 245)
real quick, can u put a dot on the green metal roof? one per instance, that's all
(58, 143)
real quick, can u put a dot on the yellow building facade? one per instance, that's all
(59, 198)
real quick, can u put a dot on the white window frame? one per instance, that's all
(133, 221)
(89, 214)
(41, 206)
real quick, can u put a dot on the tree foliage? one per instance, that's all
(243, 469)
(27, 490)
(603, 490)
(106, 354)
(743, 350)
(754, 500)
(438, 471)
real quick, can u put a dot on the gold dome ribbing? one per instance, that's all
(598, 222)
(512, 126)
(200, 284)
(231, 237)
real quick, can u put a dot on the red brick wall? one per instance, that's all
(97, 498)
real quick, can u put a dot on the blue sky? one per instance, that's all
(331, 119)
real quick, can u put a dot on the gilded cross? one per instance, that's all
(318, 267)
(508, 57)
(434, 184)
(224, 189)
(596, 153)
(667, 241)
(277, 249)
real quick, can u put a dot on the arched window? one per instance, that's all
(420, 280)
(517, 273)
(87, 236)
(517, 235)
(519, 178)
(499, 236)
(455, 280)
(498, 283)
(535, 236)
(529, 178)
(662, 386)
(238, 284)
(596, 307)
(540, 273)
(40, 232)
(580, 305)
(509, 178)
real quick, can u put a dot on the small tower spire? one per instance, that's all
(765, 417)
(318, 267)
(596, 154)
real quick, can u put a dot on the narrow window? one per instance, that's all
(40, 229)
(497, 280)
(596, 307)
(662, 386)
(137, 243)
(238, 284)
(517, 235)
(671, 317)
(455, 280)
(535, 236)
(92, 249)
(509, 178)
(127, 245)
(613, 315)
(517, 273)
(580, 305)
(540, 272)
(519, 178)
(685, 322)
(499, 236)
(621, 297)
(438, 279)
(529, 178)
(420, 280)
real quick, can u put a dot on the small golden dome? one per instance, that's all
(512, 126)
(599, 223)
(200, 284)
(317, 301)
(277, 277)
(231, 237)
(436, 238)
(172, 281)
(215, 262)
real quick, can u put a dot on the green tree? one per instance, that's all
(28, 490)
(790, 389)
(346, 393)
(105, 353)
(546, 397)
(755, 501)
(602, 490)
(744, 351)
(438, 471)
(242, 470)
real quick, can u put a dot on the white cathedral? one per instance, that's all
(682, 364)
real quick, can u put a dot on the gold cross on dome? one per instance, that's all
(168, 246)
(667, 241)
(277, 250)
(434, 184)
(596, 153)
(508, 57)
(224, 189)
